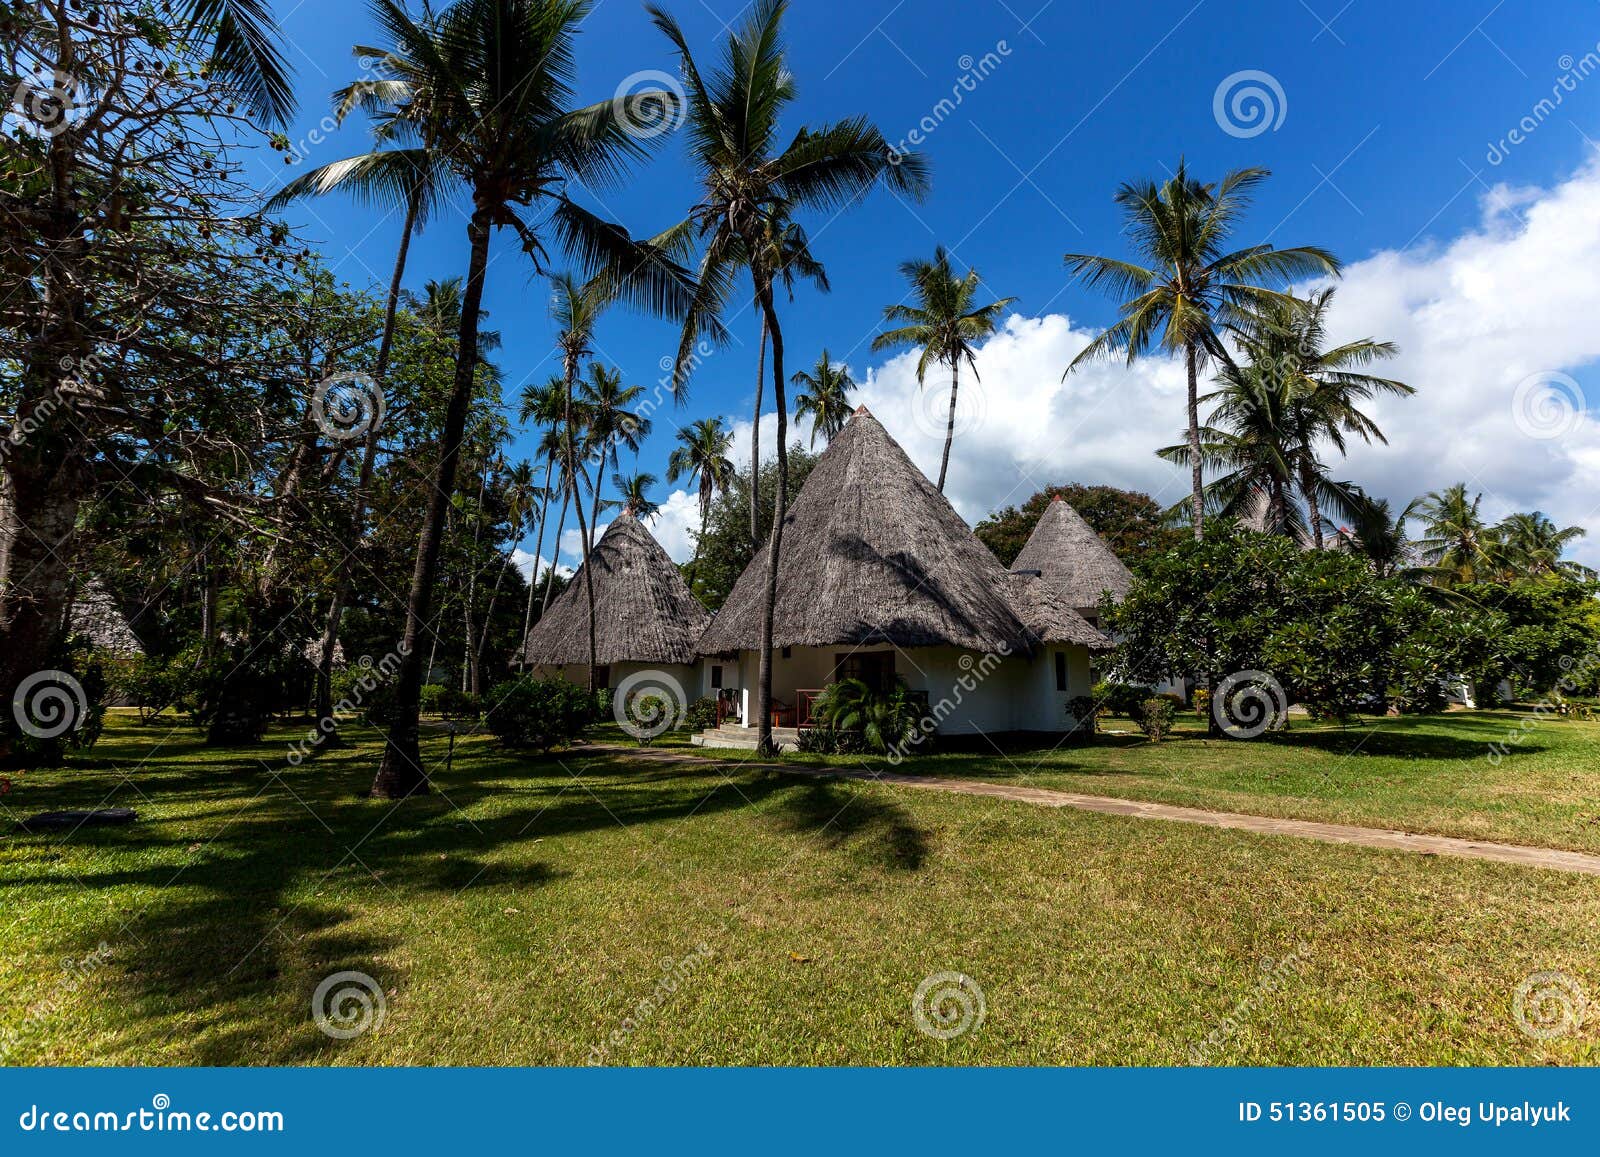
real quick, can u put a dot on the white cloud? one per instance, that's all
(1513, 298)
(523, 559)
(678, 516)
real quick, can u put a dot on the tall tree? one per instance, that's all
(633, 491)
(1533, 545)
(701, 456)
(1190, 287)
(502, 75)
(945, 323)
(749, 181)
(824, 397)
(612, 425)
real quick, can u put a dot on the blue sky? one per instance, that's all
(1378, 145)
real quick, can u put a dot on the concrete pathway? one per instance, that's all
(1529, 857)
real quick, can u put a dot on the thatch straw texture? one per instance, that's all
(1047, 613)
(643, 609)
(1073, 559)
(873, 553)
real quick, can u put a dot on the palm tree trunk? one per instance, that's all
(780, 506)
(574, 477)
(1196, 477)
(705, 513)
(358, 515)
(950, 422)
(1308, 487)
(755, 442)
(533, 576)
(401, 773)
(555, 551)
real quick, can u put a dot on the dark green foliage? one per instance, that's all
(539, 713)
(68, 697)
(885, 721)
(1551, 635)
(1155, 717)
(1132, 523)
(702, 714)
(449, 702)
(1084, 709)
(825, 741)
(1121, 698)
(237, 690)
(1337, 638)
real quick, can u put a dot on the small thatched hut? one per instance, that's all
(1073, 560)
(646, 617)
(880, 579)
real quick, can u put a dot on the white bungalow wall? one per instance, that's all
(980, 693)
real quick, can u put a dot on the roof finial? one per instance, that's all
(860, 410)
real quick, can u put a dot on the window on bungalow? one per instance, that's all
(1061, 671)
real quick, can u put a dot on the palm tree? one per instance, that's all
(945, 323)
(1325, 386)
(791, 256)
(500, 75)
(1379, 535)
(544, 404)
(244, 51)
(1190, 287)
(1533, 545)
(1457, 545)
(527, 498)
(407, 173)
(750, 182)
(701, 456)
(826, 398)
(633, 491)
(612, 425)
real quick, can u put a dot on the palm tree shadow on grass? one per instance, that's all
(864, 822)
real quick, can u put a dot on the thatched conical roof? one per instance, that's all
(643, 609)
(1072, 558)
(873, 553)
(1047, 613)
(96, 616)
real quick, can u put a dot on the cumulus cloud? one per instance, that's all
(1495, 327)
(523, 560)
(672, 526)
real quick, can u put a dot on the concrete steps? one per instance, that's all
(736, 738)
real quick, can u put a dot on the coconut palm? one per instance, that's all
(1288, 341)
(500, 78)
(527, 500)
(1191, 288)
(791, 256)
(633, 491)
(611, 425)
(244, 51)
(1457, 545)
(701, 457)
(825, 397)
(750, 182)
(1378, 535)
(945, 323)
(404, 174)
(543, 404)
(1533, 545)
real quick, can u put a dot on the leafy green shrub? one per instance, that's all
(603, 701)
(153, 685)
(886, 721)
(1155, 717)
(59, 709)
(539, 713)
(825, 741)
(237, 690)
(1122, 698)
(1084, 709)
(1202, 702)
(702, 714)
(449, 702)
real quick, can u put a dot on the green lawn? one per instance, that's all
(530, 911)
(1426, 774)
